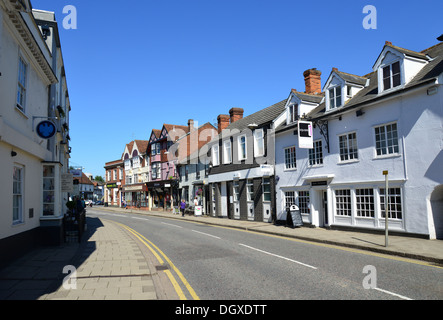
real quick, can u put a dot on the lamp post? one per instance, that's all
(385, 173)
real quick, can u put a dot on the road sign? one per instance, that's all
(46, 129)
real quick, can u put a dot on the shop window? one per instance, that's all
(48, 190)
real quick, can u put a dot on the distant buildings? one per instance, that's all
(354, 128)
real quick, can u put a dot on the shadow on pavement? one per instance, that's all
(40, 272)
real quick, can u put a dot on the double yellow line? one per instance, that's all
(159, 254)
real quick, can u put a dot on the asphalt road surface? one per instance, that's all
(227, 264)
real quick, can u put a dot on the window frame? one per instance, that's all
(315, 155)
(18, 218)
(259, 142)
(398, 196)
(292, 113)
(291, 158)
(215, 153)
(365, 203)
(334, 90)
(250, 190)
(21, 105)
(266, 182)
(391, 76)
(384, 143)
(343, 202)
(242, 154)
(227, 154)
(345, 151)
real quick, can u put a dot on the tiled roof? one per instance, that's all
(370, 93)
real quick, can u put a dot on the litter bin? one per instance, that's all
(293, 217)
(106, 204)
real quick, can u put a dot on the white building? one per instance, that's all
(32, 88)
(390, 119)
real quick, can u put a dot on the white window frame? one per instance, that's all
(215, 155)
(349, 143)
(22, 84)
(227, 151)
(250, 189)
(386, 148)
(333, 98)
(236, 190)
(315, 155)
(266, 182)
(17, 194)
(304, 200)
(128, 164)
(259, 142)
(290, 158)
(365, 203)
(391, 75)
(343, 202)
(394, 213)
(289, 199)
(242, 154)
(292, 113)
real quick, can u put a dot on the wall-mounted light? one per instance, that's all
(359, 113)
(13, 154)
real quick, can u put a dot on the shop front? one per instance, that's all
(162, 195)
(136, 196)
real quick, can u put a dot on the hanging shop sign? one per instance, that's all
(305, 135)
(46, 129)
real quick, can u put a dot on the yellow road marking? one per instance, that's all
(176, 285)
(180, 275)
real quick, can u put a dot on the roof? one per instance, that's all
(260, 117)
(84, 179)
(370, 93)
(315, 98)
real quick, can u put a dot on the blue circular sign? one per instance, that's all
(46, 129)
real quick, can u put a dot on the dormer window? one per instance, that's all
(335, 97)
(391, 76)
(293, 113)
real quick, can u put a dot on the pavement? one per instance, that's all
(112, 264)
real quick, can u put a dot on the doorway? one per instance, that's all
(321, 207)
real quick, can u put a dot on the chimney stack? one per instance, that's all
(191, 125)
(223, 122)
(236, 114)
(312, 81)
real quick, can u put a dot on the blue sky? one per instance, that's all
(132, 66)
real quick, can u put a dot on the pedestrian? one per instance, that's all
(195, 201)
(182, 207)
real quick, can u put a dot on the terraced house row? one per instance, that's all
(324, 149)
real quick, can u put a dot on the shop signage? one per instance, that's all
(319, 183)
(305, 135)
(46, 129)
(135, 188)
(67, 182)
(111, 185)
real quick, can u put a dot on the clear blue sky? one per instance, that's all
(133, 65)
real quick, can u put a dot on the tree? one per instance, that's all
(99, 178)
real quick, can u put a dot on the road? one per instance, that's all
(228, 264)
